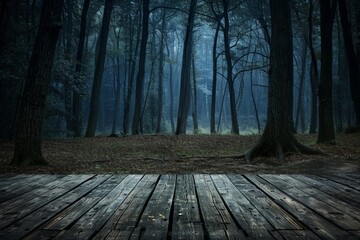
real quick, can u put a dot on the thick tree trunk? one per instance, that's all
(214, 81)
(326, 121)
(141, 72)
(32, 104)
(99, 70)
(77, 117)
(184, 98)
(277, 137)
(354, 67)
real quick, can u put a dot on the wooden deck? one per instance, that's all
(179, 207)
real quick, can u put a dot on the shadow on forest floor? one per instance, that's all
(168, 154)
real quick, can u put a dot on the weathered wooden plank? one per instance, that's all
(295, 234)
(13, 189)
(43, 234)
(123, 222)
(237, 207)
(37, 198)
(353, 175)
(97, 216)
(347, 182)
(186, 218)
(319, 225)
(32, 221)
(327, 211)
(276, 215)
(354, 179)
(70, 215)
(218, 222)
(15, 181)
(341, 192)
(4, 176)
(11, 198)
(79, 234)
(154, 222)
(245, 213)
(323, 196)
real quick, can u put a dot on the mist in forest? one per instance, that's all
(218, 52)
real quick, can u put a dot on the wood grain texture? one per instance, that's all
(199, 206)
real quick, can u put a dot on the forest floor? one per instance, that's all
(168, 154)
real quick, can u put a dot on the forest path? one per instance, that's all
(199, 206)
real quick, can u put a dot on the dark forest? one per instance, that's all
(180, 119)
(78, 69)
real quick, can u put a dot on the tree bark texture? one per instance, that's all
(99, 70)
(277, 137)
(354, 67)
(326, 121)
(214, 81)
(77, 118)
(32, 103)
(185, 88)
(141, 72)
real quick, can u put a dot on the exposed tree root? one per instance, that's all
(267, 147)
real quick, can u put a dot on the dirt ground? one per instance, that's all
(162, 154)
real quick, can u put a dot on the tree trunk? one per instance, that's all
(214, 81)
(194, 99)
(131, 77)
(184, 98)
(354, 67)
(229, 76)
(117, 91)
(3, 23)
(254, 103)
(141, 71)
(171, 91)
(160, 90)
(326, 122)
(68, 57)
(277, 136)
(301, 85)
(99, 70)
(32, 105)
(357, 36)
(77, 116)
(314, 74)
(314, 98)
